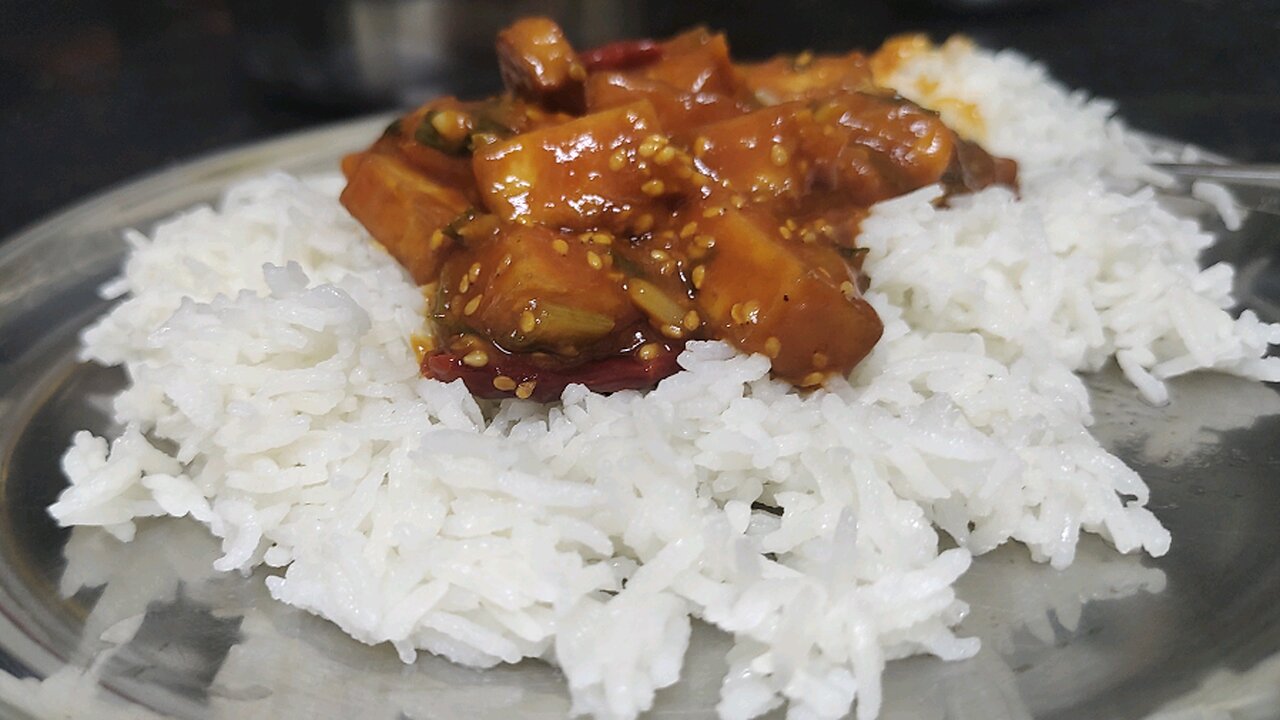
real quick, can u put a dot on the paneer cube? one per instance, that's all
(805, 77)
(402, 209)
(796, 303)
(579, 175)
(530, 288)
(680, 113)
(538, 64)
(757, 154)
(696, 62)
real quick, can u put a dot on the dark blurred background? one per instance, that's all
(96, 91)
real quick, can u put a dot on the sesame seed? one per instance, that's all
(700, 180)
(698, 275)
(784, 231)
(437, 239)
(476, 358)
(602, 238)
(429, 291)
(650, 145)
(644, 223)
(735, 312)
(422, 344)
(684, 172)
(577, 72)
(504, 383)
(779, 155)
(827, 111)
(659, 255)
(751, 311)
(738, 201)
(809, 236)
(560, 246)
(464, 284)
(618, 160)
(820, 360)
(813, 378)
(447, 123)
(527, 322)
(688, 230)
(525, 389)
(665, 155)
(704, 241)
(594, 260)
(653, 188)
(504, 263)
(474, 272)
(701, 146)
(713, 211)
(772, 347)
(672, 331)
(691, 320)
(648, 351)
(472, 305)
(791, 224)
(847, 289)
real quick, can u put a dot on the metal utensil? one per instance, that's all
(1263, 175)
(371, 53)
(1255, 187)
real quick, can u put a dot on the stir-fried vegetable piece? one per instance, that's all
(519, 376)
(689, 80)
(914, 141)
(621, 55)
(615, 203)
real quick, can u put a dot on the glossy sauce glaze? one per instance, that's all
(613, 204)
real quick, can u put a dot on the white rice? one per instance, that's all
(274, 397)
(1219, 197)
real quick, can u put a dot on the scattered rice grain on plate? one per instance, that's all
(274, 397)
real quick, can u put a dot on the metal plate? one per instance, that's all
(93, 628)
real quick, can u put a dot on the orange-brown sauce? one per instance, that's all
(616, 203)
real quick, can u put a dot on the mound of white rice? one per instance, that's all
(274, 397)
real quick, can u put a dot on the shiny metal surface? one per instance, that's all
(93, 628)
(1259, 175)
(379, 51)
